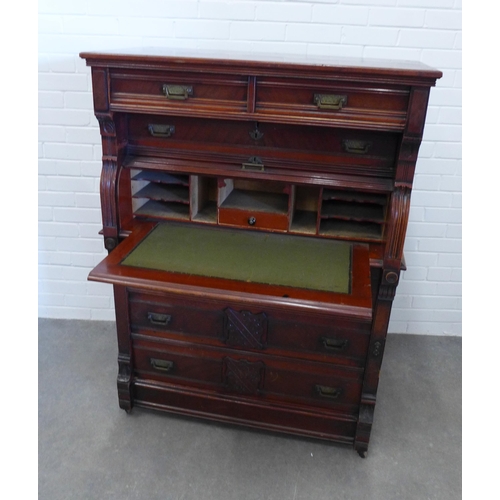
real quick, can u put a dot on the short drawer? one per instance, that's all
(336, 339)
(248, 374)
(180, 91)
(358, 104)
(167, 314)
(253, 219)
(328, 339)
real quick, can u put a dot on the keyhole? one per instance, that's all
(256, 134)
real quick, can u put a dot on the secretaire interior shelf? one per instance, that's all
(259, 203)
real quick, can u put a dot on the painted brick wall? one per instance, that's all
(429, 296)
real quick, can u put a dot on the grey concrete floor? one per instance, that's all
(90, 449)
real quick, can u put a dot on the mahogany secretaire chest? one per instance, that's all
(255, 213)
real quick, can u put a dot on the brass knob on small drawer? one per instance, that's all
(252, 221)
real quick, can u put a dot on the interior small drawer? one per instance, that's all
(254, 204)
(177, 90)
(377, 107)
(249, 374)
(253, 219)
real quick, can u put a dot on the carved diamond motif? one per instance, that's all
(242, 376)
(245, 329)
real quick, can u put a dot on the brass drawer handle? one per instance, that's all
(356, 146)
(253, 163)
(161, 364)
(161, 130)
(330, 101)
(328, 392)
(159, 319)
(334, 344)
(177, 92)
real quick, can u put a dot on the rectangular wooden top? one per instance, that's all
(262, 63)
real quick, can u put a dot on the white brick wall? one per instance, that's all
(429, 297)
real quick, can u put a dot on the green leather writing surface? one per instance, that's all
(251, 256)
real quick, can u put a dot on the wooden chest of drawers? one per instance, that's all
(255, 215)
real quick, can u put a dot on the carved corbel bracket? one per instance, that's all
(399, 213)
(109, 135)
(388, 285)
(106, 124)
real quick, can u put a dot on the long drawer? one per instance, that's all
(289, 146)
(256, 413)
(325, 338)
(247, 374)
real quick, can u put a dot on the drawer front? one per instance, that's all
(168, 314)
(326, 339)
(248, 374)
(364, 105)
(181, 92)
(253, 219)
(289, 146)
(274, 417)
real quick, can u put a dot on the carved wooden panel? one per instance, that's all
(399, 212)
(242, 376)
(109, 176)
(245, 329)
